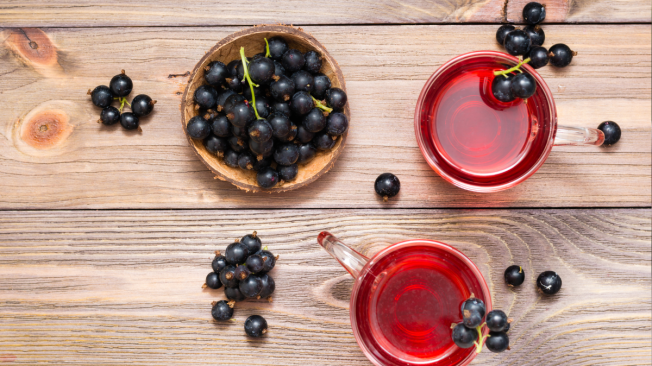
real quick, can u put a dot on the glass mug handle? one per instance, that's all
(578, 136)
(351, 260)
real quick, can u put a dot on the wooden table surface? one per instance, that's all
(106, 236)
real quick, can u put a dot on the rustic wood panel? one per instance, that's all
(107, 287)
(583, 11)
(385, 68)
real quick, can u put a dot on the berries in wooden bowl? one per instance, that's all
(277, 122)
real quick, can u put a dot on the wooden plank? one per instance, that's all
(77, 13)
(385, 68)
(586, 11)
(111, 287)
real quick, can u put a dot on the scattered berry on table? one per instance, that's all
(268, 286)
(534, 13)
(387, 185)
(228, 278)
(142, 105)
(536, 33)
(101, 96)
(538, 57)
(524, 85)
(121, 85)
(611, 132)
(233, 293)
(473, 311)
(252, 242)
(213, 281)
(502, 32)
(129, 121)
(242, 273)
(219, 262)
(561, 55)
(255, 263)
(497, 342)
(514, 276)
(501, 88)
(549, 282)
(517, 42)
(255, 326)
(222, 310)
(497, 321)
(269, 260)
(110, 115)
(251, 286)
(236, 253)
(464, 337)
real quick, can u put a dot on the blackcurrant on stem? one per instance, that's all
(515, 68)
(267, 53)
(321, 106)
(248, 78)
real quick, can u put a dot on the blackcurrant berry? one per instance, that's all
(303, 81)
(237, 144)
(241, 114)
(502, 32)
(121, 85)
(263, 107)
(227, 277)
(611, 132)
(507, 328)
(232, 67)
(255, 326)
(268, 286)
(206, 97)
(236, 253)
(219, 263)
(307, 152)
(101, 96)
(320, 85)
(537, 36)
(517, 42)
(215, 145)
(142, 105)
(282, 89)
(303, 135)
(246, 160)
(110, 115)
(549, 282)
(263, 149)
(501, 88)
(263, 163)
(267, 177)
(221, 126)
(279, 70)
(292, 60)
(222, 97)
(336, 98)
(240, 132)
(534, 13)
(129, 121)
(538, 57)
(233, 293)
(561, 55)
(497, 342)
(198, 128)
(313, 62)
(514, 276)
(231, 101)
(314, 121)
(252, 242)
(324, 141)
(260, 130)
(464, 337)
(473, 311)
(250, 286)
(497, 320)
(286, 154)
(288, 172)
(277, 47)
(301, 103)
(387, 185)
(255, 263)
(215, 73)
(222, 310)
(231, 158)
(337, 124)
(524, 85)
(280, 124)
(258, 92)
(213, 281)
(268, 259)
(282, 107)
(242, 273)
(235, 84)
(261, 70)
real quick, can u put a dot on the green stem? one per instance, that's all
(515, 68)
(267, 53)
(319, 105)
(481, 339)
(122, 101)
(248, 78)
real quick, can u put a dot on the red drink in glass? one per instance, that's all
(405, 299)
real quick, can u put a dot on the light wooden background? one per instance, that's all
(106, 236)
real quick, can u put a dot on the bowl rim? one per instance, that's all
(281, 30)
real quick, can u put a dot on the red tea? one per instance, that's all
(407, 301)
(473, 136)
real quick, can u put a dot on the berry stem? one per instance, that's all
(481, 339)
(515, 68)
(248, 78)
(319, 105)
(122, 101)
(267, 53)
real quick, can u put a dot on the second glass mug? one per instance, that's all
(405, 299)
(445, 123)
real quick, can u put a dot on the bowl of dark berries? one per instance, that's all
(266, 109)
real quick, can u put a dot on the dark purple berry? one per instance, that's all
(387, 185)
(241, 114)
(473, 311)
(255, 263)
(142, 105)
(231, 158)
(101, 96)
(252, 242)
(336, 98)
(268, 259)
(215, 73)
(320, 85)
(281, 125)
(288, 172)
(121, 85)
(286, 154)
(501, 88)
(313, 62)
(337, 124)
(502, 32)
(303, 81)
(268, 286)
(231, 102)
(277, 47)
(261, 70)
(497, 320)
(219, 263)
(237, 144)
(538, 57)
(303, 135)
(262, 163)
(236, 253)
(514, 276)
(534, 13)
(235, 84)
(221, 126)
(314, 121)
(517, 42)
(497, 342)
(222, 310)
(215, 145)
(549, 282)
(260, 130)
(324, 141)
(307, 152)
(213, 281)
(282, 89)
(301, 103)
(611, 132)
(130, 121)
(561, 55)
(524, 85)
(282, 107)
(242, 273)
(110, 115)
(537, 36)
(227, 277)
(206, 97)
(232, 67)
(233, 293)
(464, 337)
(250, 286)
(262, 148)
(255, 326)
(198, 128)
(246, 160)
(267, 178)
(292, 60)
(222, 97)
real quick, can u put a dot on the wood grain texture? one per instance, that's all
(583, 11)
(385, 68)
(110, 287)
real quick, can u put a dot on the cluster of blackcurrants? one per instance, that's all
(270, 112)
(119, 88)
(469, 332)
(548, 282)
(526, 42)
(243, 271)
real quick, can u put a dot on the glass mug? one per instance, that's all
(478, 143)
(405, 299)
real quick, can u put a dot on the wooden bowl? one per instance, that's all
(228, 49)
